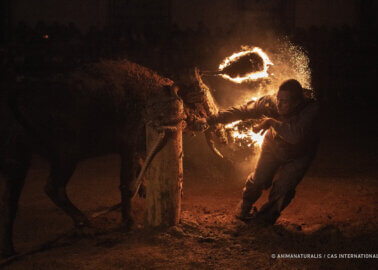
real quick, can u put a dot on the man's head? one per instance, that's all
(289, 96)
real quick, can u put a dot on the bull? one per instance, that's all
(95, 110)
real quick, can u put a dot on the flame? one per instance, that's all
(291, 61)
(250, 76)
(245, 136)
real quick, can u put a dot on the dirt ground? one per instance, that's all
(334, 212)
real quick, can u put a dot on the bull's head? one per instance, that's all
(199, 103)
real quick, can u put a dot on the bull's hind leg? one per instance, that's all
(55, 188)
(127, 175)
(13, 173)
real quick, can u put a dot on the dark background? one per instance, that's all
(40, 38)
(43, 37)
(171, 36)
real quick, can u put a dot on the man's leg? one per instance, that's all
(283, 189)
(261, 179)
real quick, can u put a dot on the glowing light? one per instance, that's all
(250, 76)
(290, 62)
(247, 136)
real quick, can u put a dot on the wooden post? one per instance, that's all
(164, 176)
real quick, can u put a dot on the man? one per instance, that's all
(288, 148)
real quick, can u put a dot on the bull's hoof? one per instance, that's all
(7, 253)
(126, 225)
(85, 229)
(83, 222)
(86, 232)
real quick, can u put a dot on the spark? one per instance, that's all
(246, 136)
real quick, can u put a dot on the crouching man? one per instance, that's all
(287, 151)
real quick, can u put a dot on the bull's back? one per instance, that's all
(91, 111)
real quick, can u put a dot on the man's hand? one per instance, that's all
(264, 125)
(201, 125)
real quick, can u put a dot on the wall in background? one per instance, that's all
(84, 13)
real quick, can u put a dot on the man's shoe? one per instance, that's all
(243, 213)
(246, 217)
(264, 220)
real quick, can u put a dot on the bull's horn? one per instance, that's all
(211, 144)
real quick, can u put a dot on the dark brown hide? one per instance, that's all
(95, 110)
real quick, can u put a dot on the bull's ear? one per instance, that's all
(174, 90)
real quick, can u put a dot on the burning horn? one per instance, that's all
(210, 142)
(211, 109)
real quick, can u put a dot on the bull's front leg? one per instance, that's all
(127, 175)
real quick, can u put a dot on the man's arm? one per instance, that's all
(251, 110)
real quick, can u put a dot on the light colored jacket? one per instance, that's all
(289, 136)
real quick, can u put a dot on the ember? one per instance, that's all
(242, 133)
